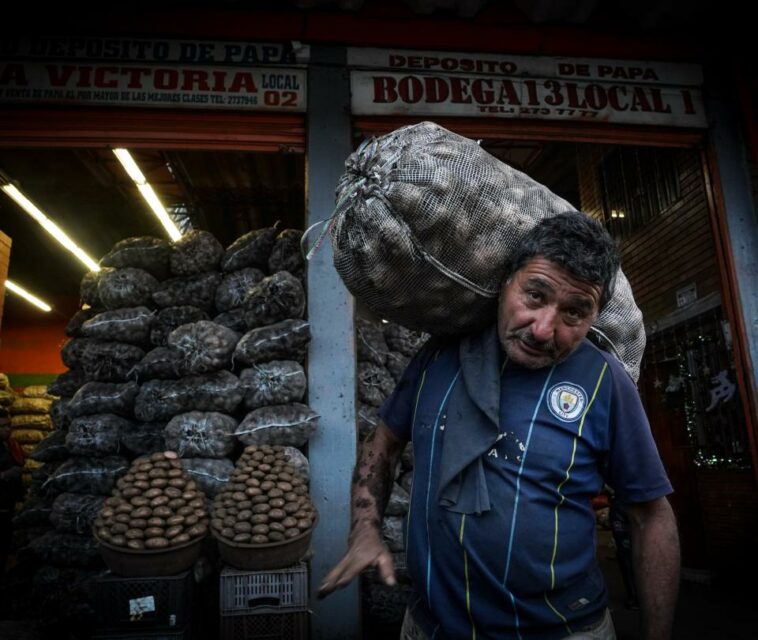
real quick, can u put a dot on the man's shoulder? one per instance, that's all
(588, 356)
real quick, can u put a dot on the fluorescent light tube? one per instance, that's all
(131, 168)
(20, 291)
(48, 225)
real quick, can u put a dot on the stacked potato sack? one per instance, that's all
(31, 423)
(7, 396)
(384, 350)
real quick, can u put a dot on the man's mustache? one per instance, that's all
(525, 335)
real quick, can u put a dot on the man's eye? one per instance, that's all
(574, 314)
(536, 296)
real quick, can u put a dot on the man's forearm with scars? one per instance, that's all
(655, 556)
(372, 485)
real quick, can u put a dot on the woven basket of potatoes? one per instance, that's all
(155, 521)
(263, 518)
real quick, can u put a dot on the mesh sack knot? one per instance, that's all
(425, 223)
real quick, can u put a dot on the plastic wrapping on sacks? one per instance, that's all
(250, 250)
(278, 297)
(201, 434)
(101, 361)
(122, 325)
(286, 254)
(286, 340)
(163, 399)
(210, 474)
(144, 252)
(287, 424)
(88, 475)
(205, 346)
(369, 340)
(425, 223)
(128, 287)
(235, 286)
(197, 291)
(96, 435)
(75, 512)
(103, 397)
(168, 319)
(143, 438)
(162, 363)
(374, 384)
(275, 382)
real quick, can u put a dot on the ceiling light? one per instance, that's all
(20, 291)
(49, 226)
(130, 166)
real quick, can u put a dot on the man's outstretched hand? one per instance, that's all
(366, 549)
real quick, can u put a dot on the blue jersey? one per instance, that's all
(523, 565)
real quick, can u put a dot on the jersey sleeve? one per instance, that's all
(633, 466)
(397, 409)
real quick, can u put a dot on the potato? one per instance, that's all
(122, 517)
(172, 532)
(277, 514)
(119, 527)
(159, 482)
(153, 493)
(289, 522)
(162, 512)
(172, 492)
(179, 483)
(138, 523)
(180, 539)
(118, 540)
(159, 501)
(292, 533)
(197, 531)
(244, 527)
(154, 532)
(136, 544)
(156, 543)
(276, 526)
(133, 534)
(259, 518)
(142, 485)
(259, 539)
(228, 533)
(142, 512)
(175, 521)
(275, 536)
(243, 538)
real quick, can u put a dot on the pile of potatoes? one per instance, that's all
(266, 500)
(154, 506)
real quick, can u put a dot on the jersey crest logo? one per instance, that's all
(566, 401)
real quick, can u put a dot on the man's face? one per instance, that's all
(544, 313)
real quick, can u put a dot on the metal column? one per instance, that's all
(739, 208)
(331, 358)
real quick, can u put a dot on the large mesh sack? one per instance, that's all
(75, 512)
(399, 501)
(286, 424)
(297, 459)
(195, 252)
(368, 419)
(286, 254)
(143, 438)
(145, 252)
(161, 363)
(67, 383)
(286, 340)
(28, 436)
(201, 434)
(392, 533)
(88, 475)
(5, 383)
(198, 291)
(374, 383)
(101, 361)
(7, 397)
(30, 405)
(65, 550)
(74, 326)
(425, 222)
(251, 250)
(370, 342)
(278, 297)
(103, 397)
(210, 474)
(36, 511)
(233, 319)
(123, 325)
(275, 382)
(35, 391)
(51, 448)
(396, 364)
(168, 319)
(128, 287)
(98, 435)
(59, 413)
(204, 346)
(163, 399)
(235, 286)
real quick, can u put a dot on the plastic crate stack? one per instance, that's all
(264, 604)
(144, 608)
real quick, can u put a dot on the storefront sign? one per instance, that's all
(208, 75)
(449, 84)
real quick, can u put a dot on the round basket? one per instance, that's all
(130, 563)
(261, 557)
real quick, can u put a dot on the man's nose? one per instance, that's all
(543, 327)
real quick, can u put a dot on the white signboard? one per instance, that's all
(473, 85)
(147, 73)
